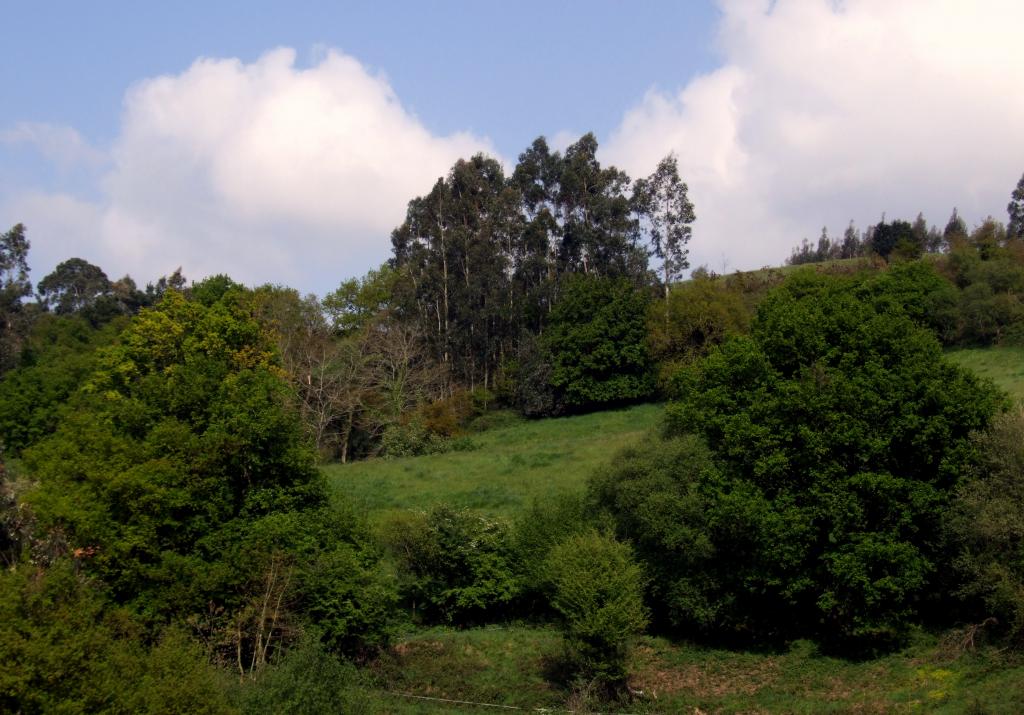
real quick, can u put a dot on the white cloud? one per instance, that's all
(826, 111)
(265, 171)
(62, 145)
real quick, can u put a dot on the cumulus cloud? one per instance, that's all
(266, 171)
(823, 112)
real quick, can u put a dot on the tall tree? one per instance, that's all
(956, 229)
(73, 286)
(1015, 227)
(14, 286)
(661, 199)
(851, 245)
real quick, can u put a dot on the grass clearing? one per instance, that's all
(508, 468)
(507, 666)
(1003, 365)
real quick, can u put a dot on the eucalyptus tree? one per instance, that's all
(14, 287)
(1015, 227)
(668, 213)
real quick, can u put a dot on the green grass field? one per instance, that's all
(507, 469)
(1004, 366)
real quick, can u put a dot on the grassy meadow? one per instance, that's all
(1003, 365)
(505, 469)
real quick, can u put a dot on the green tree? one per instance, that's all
(73, 286)
(597, 343)
(838, 433)
(898, 237)
(987, 525)
(661, 199)
(182, 475)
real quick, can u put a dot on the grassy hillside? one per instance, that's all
(1004, 366)
(507, 468)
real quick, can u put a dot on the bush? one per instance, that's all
(598, 589)
(987, 525)
(66, 649)
(538, 530)
(308, 679)
(696, 316)
(455, 566)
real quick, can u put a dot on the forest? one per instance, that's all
(816, 468)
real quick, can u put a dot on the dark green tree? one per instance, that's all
(956, 229)
(897, 236)
(837, 434)
(73, 286)
(597, 343)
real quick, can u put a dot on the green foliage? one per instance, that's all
(536, 531)
(456, 565)
(596, 342)
(59, 354)
(838, 433)
(598, 589)
(65, 649)
(308, 679)
(695, 317)
(181, 472)
(898, 237)
(987, 524)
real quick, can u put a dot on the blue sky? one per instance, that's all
(507, 70)
(281, 143)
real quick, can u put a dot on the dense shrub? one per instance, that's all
(307, 679)
(455, 566)
(66, 649)
(695, 317)
(987, 526)
(598, 589)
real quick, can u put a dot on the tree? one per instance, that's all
(888, 237)
(596, 343)
(73, 286)
(662, 200)
(14, 287)
(851, 245)
(181, 474)
(1015, 209)
(956, 229)
(987, 525)
(832, 440)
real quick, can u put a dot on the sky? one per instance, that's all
(282, 143)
